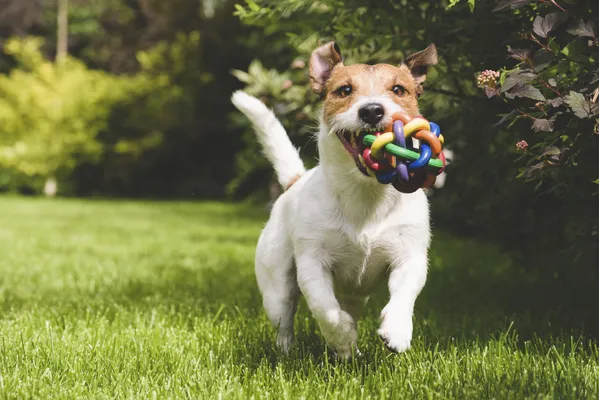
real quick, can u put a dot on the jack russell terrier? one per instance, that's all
(335, 232)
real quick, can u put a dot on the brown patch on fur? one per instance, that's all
(369, 80)
(292, 181)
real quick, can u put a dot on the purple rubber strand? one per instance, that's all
(402, 172)
(400, 140)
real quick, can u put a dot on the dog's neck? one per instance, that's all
(362, 199)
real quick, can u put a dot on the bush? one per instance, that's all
(53, 115)
(483, 196)
(552, 94)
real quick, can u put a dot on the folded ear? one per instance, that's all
(322, 62)
(419, 62)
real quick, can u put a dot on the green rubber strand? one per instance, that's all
(408, 155)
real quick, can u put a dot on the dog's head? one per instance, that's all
(361, 98)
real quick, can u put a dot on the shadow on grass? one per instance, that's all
(473, 286)
(473, 293)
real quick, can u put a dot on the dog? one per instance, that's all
(335, 232)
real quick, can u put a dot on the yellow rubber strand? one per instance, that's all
(415, 125)
(376, 150)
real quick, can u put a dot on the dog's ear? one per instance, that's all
(419, 62)
(322, 62)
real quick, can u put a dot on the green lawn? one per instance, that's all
(103, 299)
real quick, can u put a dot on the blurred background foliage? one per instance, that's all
(146, 92)
(140, 106)
(550, 220)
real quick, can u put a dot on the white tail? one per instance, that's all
(272, 136)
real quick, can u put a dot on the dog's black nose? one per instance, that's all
(371, 113)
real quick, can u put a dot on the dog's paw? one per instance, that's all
(339, 331)
(285, 343)
(355, 353)
(395, 343)
(396, 331)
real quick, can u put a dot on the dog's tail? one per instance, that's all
(272, 136)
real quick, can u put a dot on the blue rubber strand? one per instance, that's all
(425, 155)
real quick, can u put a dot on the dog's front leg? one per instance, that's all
(316, 283)
(406, 280)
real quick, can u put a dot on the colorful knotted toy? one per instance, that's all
(391, 157)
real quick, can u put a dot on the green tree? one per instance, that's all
(110, 36)
(52, 114)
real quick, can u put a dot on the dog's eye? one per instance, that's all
(399, 90)
(344, 90)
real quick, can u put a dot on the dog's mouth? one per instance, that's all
(354, 144)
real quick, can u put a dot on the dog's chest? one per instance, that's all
(358, 258)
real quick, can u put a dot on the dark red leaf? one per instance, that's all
(543, 25)
(513, 4)
(516, 77)
(542, 125)
(583, 29)
(558, 101)
(530, 171)
(542, 59)
(519, 54)
(581, 107)
(490, 92)
(551, 151)
(528, 91)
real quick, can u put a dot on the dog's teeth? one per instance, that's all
(361, 160)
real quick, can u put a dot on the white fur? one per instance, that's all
(272, 136)
(440, 182)
(332, 236)
(442, 177)
(349, 119)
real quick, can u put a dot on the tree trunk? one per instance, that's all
(51, 187)
(62, 41)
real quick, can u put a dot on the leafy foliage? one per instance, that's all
(159, 127)
(186, 118)
(286, 92)
(482, 196)
(52, 115)
(554, 88)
